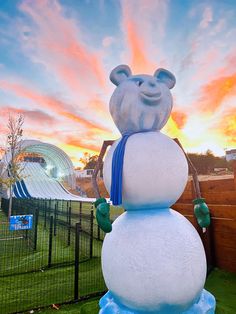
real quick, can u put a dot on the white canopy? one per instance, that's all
(54, 157)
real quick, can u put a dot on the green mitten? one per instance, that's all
(201, 212)
(103, 214)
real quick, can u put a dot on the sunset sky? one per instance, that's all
(56, 56)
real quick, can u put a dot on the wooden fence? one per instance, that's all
(220, 238)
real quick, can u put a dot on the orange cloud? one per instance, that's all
(98, 105)
(50, 103)
(139, 61)
(101, 109)
(227, 126)
(214, 93)
(32, 116)
(87, 124)
(82, 143)
(142, 32)
(179, 118)
(46, 135)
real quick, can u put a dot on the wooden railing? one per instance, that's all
(220, 238)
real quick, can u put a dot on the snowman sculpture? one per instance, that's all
(153, 261)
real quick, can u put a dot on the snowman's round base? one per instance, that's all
(205, 305)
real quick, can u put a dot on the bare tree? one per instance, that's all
(12, 151)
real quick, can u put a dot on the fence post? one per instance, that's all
(80, 212)
(49, 209)
(99, 233)
(76, 270)
(69, 225)
(67, 211)
(50, 242)
(36, 228)
(14, 208)
(55, 219)
(91, 235)
(45, 214)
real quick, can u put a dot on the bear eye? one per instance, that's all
(139, 82)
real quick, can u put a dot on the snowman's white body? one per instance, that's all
(153, 261)
(156, 251)
(155, 171)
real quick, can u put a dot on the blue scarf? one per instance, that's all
(117, 168)
(117, 171)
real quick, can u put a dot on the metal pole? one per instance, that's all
(205, 235)
(76, 270)
(55, 219)
(50, 242)
(99, 166)
(36, 228)
(69, 226)
(45, 214)
(80, 212)
(67, 212)
(91, 235)
(196, 184)
(99, 233)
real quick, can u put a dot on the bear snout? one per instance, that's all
(150, 88)
(150, 93)
(152, 100)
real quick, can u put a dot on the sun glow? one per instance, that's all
(195, 128)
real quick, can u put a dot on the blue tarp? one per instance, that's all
(20, 190)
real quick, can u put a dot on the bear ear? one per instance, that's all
(166, 77)
(119, 74)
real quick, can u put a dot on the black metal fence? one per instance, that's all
(57, 261)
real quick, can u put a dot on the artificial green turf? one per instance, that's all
(220, 283)
(223, 286)
(85, 307)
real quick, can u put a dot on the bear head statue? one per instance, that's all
(141, 103)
